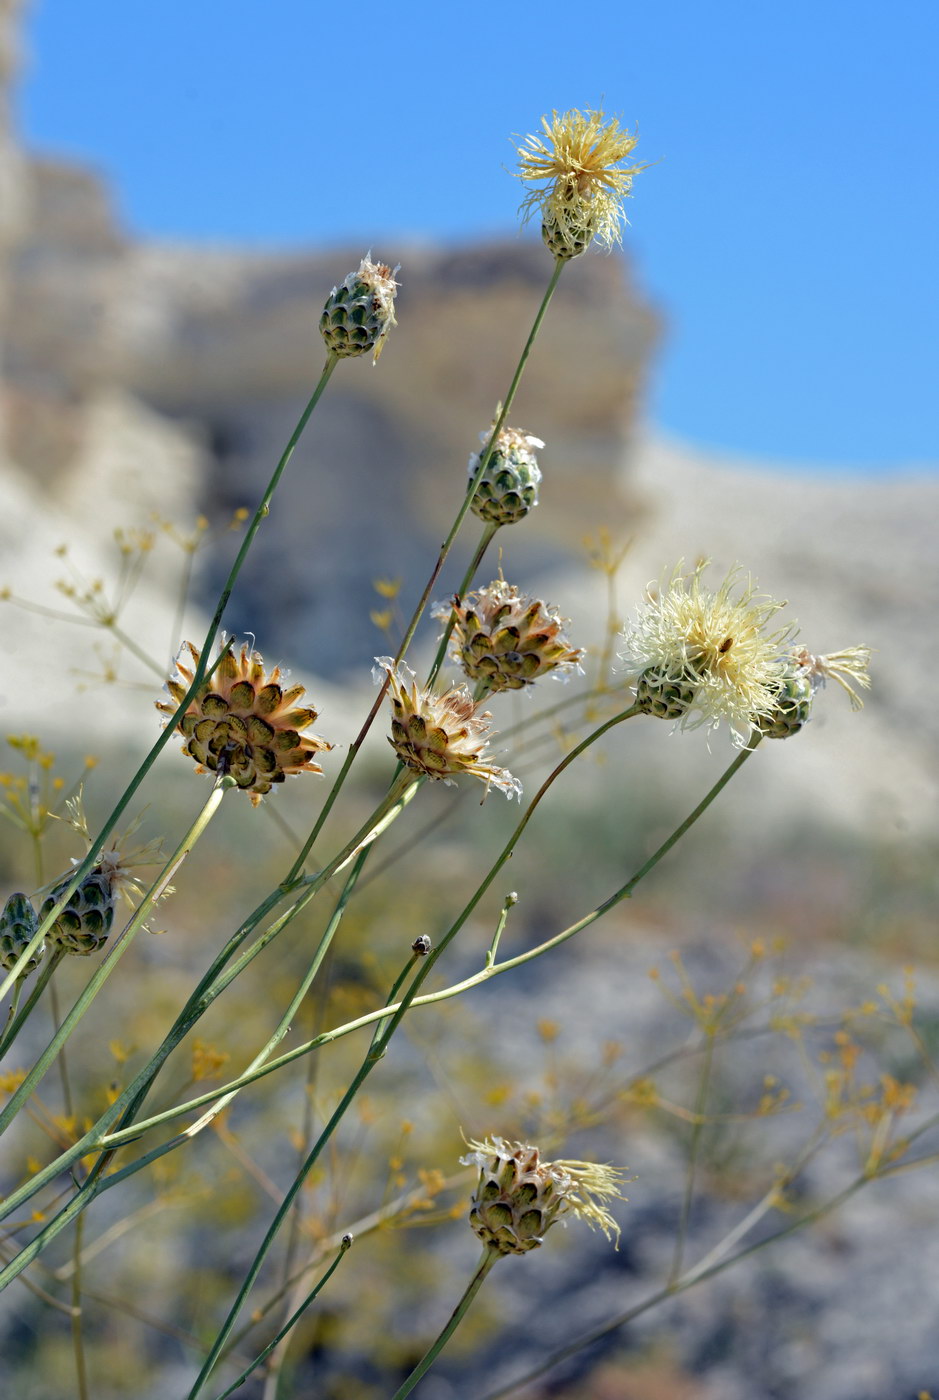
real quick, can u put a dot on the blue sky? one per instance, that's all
(787, 231)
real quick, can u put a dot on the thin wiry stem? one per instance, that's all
(294, 1317)
(78, 1342)
(490, 1255)
(697, 1128)
(424, 599)
(204, 668)
(456, 989)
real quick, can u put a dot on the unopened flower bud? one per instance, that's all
(359, 314)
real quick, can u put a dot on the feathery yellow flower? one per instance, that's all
(518, 1197)
(706, 657)
(579, 180)
(441, 736)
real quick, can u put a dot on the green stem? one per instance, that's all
(78, 1344)
(422, 602)
(477, 979)
(373, 1055)
(490, 1255)
(202, 670)
(294, 1317)
(53, 958)
(111, 958)
(213, 983)
(486, 538)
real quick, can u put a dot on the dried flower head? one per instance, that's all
(243, 722)
(507, 640)
(359, 314)
(508, 487)
(705, 657)
(441, 736)
(579, 179)
(518, 1197)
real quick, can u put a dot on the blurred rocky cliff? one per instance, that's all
(208, 356)
(140, 378)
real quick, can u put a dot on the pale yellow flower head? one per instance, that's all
(716, 649)
(518, 1197)
(578, 178)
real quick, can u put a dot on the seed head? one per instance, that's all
(705, 657)
(579, 182)
(507, 640)
(441, 736)
(243, 722)
(518, 1197)
(84, 924)
(359, 314)
(18, 925)
(508, 488)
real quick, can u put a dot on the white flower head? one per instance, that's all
(715, 651)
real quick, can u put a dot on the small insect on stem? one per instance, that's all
(725, 646)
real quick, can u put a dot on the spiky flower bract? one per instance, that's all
(242, 722)
(579, 181)
(508, 487)
(507, 640)
(441, 736)
(359, 314)
(706, 657)
(518, 1197)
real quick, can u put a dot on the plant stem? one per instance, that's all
(490, 1255)
(704, 1084)
(294, 1317)
(422, 602)
(485, 539)
(111, 958)
(53, 958)
(203, 669)
(78, 1346)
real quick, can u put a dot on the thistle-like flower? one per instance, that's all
(579, 180)
(441, 736)
(359, 314)
(801, 674)
(518, 1197)
(508, 488)
(243, 722)
(705, 657)
(507, 640)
